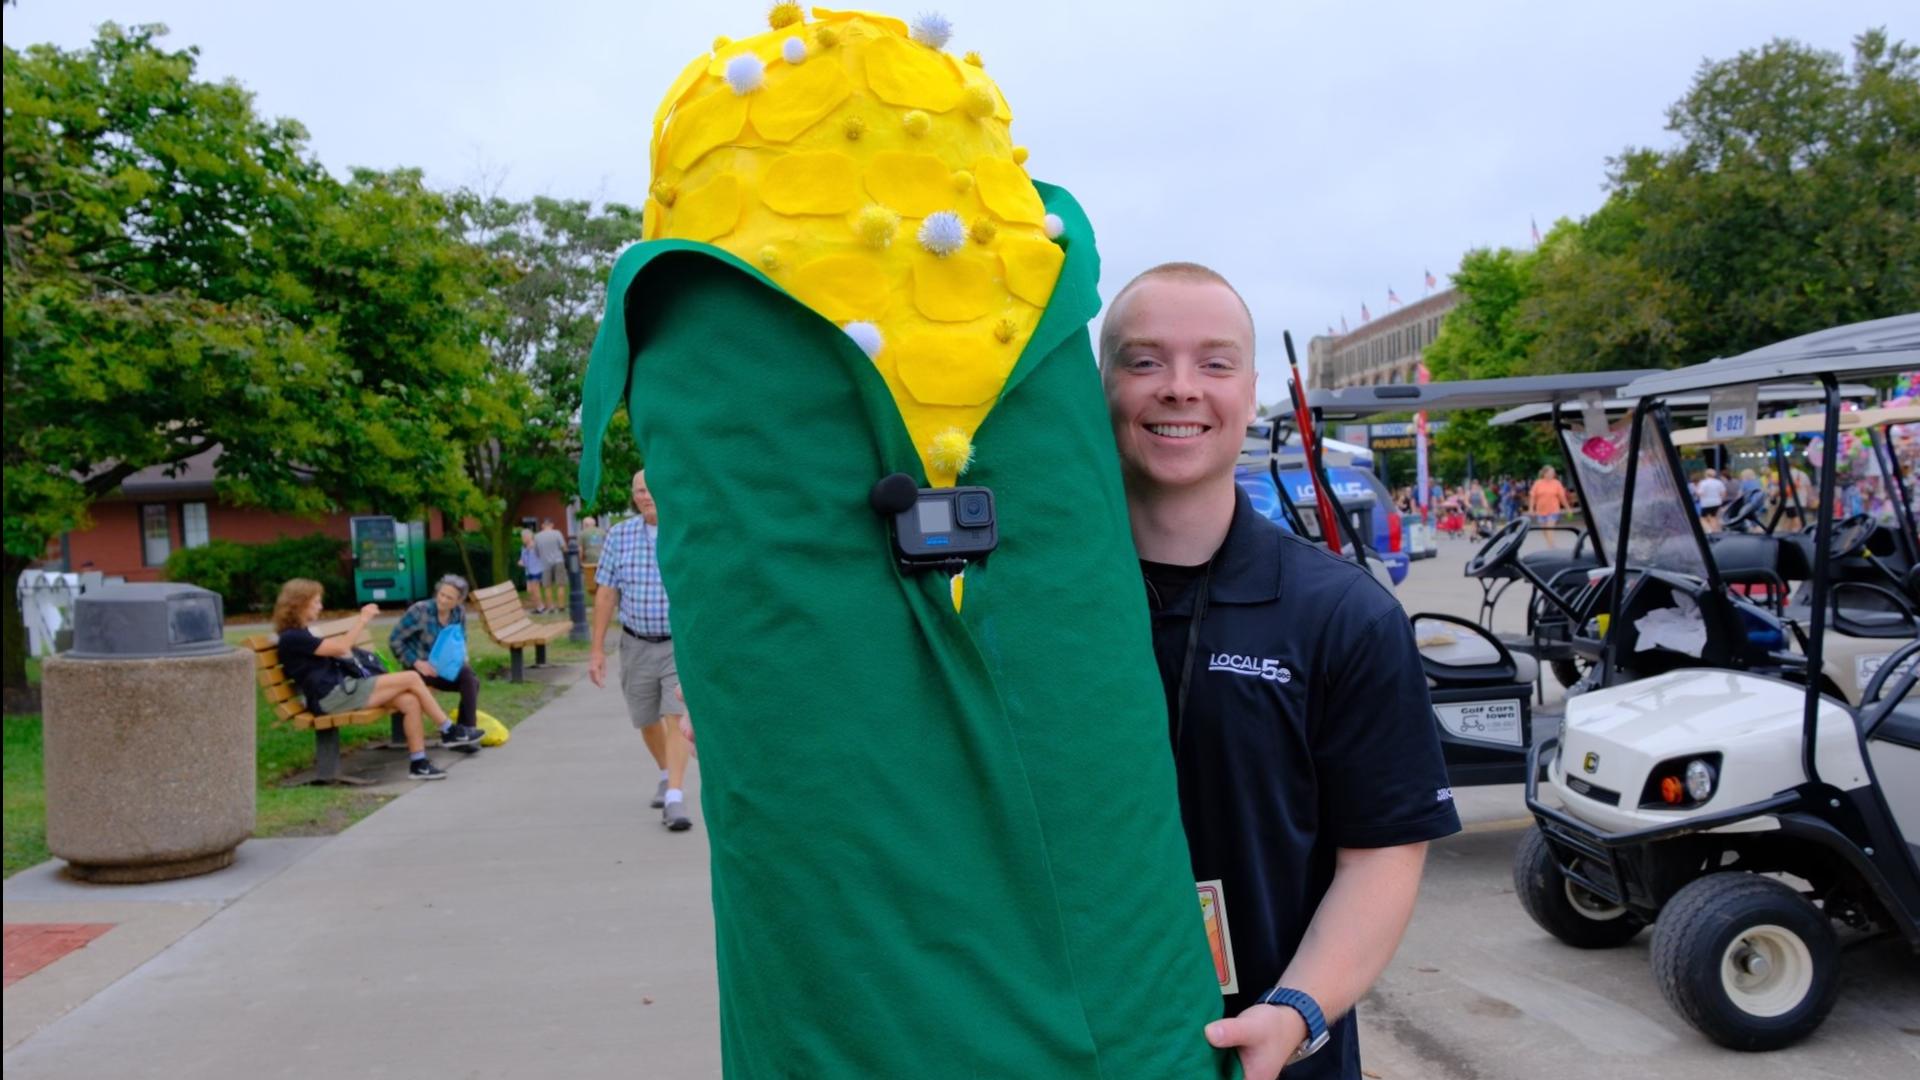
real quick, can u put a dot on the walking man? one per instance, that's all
(1303, 738)
(630, 588)
(550, 546)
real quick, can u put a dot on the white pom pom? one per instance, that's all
(943, 233)
(932, 29)
(867, 336)
(794, 50)
(1054, 226)
(745, 73)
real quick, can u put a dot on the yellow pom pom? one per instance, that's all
(876, 225)
(827, 36)
(853, 127)
(974, 59)
(951, 451)
(721, 42)
(769, 258)
(782, 15)
(1004, 331)
(979, 102)
(664, 193)
(983, 230)
(1019, 155)
(917, 123)
(962, 181)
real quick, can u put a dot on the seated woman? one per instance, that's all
(333, 681)
(412, 644)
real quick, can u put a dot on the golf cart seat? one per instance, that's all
(1551, 562)
(1864, 610)
(1456, 652)
(1726, 633)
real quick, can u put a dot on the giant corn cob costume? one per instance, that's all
(944, 830)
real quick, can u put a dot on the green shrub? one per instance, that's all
(318, 556)
(443, 557)
(224, 566)
(248, 576)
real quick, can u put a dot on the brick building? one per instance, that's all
(1385, 350)
(154, 514)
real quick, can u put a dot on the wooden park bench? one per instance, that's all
(291, 707)
(507, 624)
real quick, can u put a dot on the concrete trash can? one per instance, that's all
(148, 732)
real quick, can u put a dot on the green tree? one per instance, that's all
(558, 253)
(1487, 335)
(182, 275)
(1788, 206)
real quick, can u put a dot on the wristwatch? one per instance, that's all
(1301, 1002)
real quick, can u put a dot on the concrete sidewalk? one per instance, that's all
(526, 917)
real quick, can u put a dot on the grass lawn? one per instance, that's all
(282, 752)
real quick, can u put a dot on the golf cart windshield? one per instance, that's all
(1662, 531)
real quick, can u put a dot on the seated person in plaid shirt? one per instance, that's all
(412, 642)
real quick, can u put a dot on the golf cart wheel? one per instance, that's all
(1568, 672)
(1563, 908)
(1746, 960)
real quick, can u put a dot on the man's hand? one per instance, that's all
(1265, 1035)
(597, 667)
(369, 612)
(425, 667)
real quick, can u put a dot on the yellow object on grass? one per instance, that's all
(492, 731)
(874, 177)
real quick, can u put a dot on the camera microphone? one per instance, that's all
(894, 494)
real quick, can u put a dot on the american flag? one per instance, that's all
(1430, 280)
(1343, 324)
(1536, 231)
(1365, 316)
(1393, 298)
(1330, 330)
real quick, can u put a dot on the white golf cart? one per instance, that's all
(1485, 685)
(1734, 806)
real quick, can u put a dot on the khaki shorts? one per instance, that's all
(352, 694)
(648, 677)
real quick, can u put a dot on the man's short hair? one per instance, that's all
(1191, 272)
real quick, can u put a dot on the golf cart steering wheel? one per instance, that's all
(1500, 547)
(1744, 507)
(1851, 535)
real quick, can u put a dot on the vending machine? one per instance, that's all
(389, 560)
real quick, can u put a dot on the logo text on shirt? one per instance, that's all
(1255, 666)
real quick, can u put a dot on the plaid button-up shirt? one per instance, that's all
(629, 562)
(413, 636)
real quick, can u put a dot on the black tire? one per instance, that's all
(1697, 960)
(1567, 672)
(1562, 908)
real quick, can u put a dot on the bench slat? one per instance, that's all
(259, 642)
(267, 658)
(279, 692)
(273, 676)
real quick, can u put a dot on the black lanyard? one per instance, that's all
(1193, 649)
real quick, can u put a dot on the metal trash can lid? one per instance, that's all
(147, 621)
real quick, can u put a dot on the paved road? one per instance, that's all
(1478, 992)
(528, 917)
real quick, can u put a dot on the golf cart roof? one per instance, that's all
(1858, 351)
(1355, 401)
(1813, 423)
(1777, 394)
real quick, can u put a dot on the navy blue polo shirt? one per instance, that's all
(1307, 729)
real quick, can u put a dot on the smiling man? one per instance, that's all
(1310, 773)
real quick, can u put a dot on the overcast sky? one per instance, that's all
(1317, 153)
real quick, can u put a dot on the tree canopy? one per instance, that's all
(182, 274)
(1788, 204)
